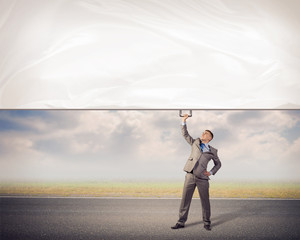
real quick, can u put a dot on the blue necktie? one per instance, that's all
(202, 145)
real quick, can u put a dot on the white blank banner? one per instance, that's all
(131, 54)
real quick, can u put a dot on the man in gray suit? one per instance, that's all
(197, 174)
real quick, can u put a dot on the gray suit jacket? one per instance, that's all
(197, 155)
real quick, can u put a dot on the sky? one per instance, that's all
(96, 145)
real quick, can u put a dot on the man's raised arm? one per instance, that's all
(184, 130)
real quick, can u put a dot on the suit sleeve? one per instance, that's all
(217, 163)
(186, 135)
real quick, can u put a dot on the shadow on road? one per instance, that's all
(230, 216)
(193, 224)
(242, 212)
(218, 220)
(227, 217)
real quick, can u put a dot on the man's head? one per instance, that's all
(207, 136)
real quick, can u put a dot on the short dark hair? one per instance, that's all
(212, 135)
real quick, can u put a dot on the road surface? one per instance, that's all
(104, 218)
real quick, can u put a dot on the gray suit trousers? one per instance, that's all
(191, 181)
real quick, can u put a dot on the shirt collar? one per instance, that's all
(206, 145)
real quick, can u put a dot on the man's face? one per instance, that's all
(205, 136)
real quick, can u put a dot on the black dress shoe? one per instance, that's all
(177, 225)
(207, 227)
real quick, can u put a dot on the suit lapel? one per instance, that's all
(199, 145)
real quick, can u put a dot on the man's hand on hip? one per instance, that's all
(206, 173)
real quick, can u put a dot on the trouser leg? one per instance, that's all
(203, 189)
(187, 194)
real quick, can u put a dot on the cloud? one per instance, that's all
(145, 144)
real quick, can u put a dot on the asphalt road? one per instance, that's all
(98, 218)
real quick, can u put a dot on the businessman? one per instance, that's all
(197, 174)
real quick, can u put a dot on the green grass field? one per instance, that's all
(151, 189)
